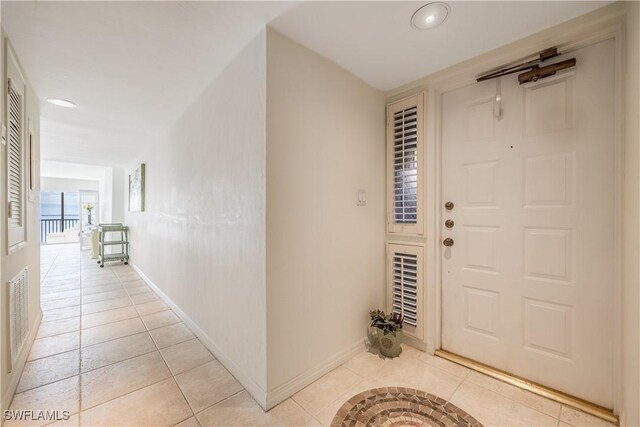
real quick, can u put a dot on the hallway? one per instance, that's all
(110, 352)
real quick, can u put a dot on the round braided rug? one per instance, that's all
(399, 407)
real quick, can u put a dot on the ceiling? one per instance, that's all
(134, 67)
(375, 41)
(53, 169)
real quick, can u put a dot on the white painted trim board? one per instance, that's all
(254, 389)
(266, 400)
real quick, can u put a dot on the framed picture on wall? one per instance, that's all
(136, 189)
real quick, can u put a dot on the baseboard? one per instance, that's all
(266, 400)
(19, 366)
(414, 342)
(254, 389)
(299, 382)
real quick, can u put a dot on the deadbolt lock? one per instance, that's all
(448, 206)
(448, 242)
(449, 223)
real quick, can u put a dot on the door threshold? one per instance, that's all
(549, 393)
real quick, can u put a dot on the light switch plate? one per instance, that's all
(362, 198)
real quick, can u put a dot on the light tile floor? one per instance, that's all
(110, 352)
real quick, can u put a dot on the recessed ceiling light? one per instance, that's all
(430, 15)
(62, 102)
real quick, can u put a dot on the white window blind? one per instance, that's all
(405, 128)
(405, 290)
(15, 157)
(405, 166)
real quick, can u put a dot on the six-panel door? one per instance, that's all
(527, 286)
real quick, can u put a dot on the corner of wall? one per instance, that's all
(201, 237)
(630, 411)
(325, 142)
(256, 391)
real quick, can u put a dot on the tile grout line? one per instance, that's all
(42, 279)
(455, 391)
(466, 380)
(80, 349)
(80, 408)
(63, 379)
(123, 395)
(224, 400)
(515, 401)
(313, 417)
(79, 320)
(173, 377)
(147, 330)
(46, 384)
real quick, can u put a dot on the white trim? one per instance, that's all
(257, 392)
(14, 70)
(433, 284)
(16, 373)
(416, 100)
(414, 342)
(619, 184)
(286, 390)
(411, 336)
(613, 32)
(266, 400)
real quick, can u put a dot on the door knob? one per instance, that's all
(448, 206)
(448, 242)
(449, 223)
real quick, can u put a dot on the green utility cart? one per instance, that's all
(120, 241)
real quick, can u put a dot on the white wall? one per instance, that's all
(325, 255)
(201, 239)
(119, 195)
(630, 413)
(67, 184)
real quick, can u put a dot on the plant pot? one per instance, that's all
(389, 344)
(372, 335)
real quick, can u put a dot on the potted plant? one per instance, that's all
(88, 208)
(387, 329)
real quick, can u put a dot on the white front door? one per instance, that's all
(527, 286)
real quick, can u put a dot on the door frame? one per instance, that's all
(603, 24)
(614, 33)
